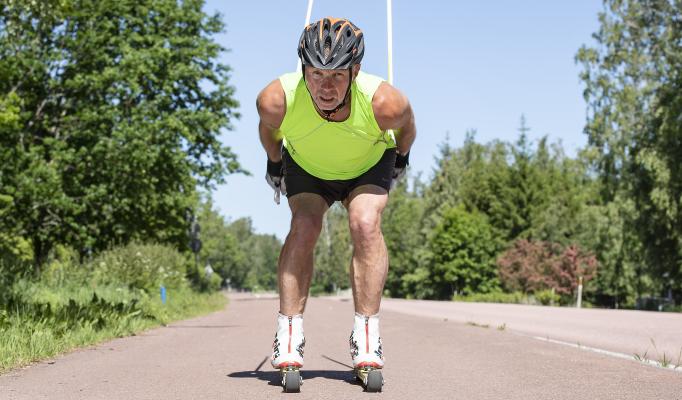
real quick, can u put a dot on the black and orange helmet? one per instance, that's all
(331, 43)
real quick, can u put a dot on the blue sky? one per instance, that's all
(463, 65)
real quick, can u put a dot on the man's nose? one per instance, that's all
(327, 82)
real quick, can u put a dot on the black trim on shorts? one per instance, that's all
(298, 180)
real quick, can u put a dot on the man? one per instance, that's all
(326, 134)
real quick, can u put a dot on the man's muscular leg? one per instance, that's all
(369, 265)
(295, 269)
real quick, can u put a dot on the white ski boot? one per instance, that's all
(367, 352)
(287, 351)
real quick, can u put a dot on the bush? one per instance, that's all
(141, 266)
(534, 266)
(547, 297)
(73, 304)
(494, 297)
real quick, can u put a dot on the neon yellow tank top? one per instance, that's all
(333, 150)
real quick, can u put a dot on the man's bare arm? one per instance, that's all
(392, 110)
(272, 106)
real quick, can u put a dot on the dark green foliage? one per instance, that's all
(632, 86)
(402, 233)
(463, 249)
(111, 118)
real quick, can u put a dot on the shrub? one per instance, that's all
(547, 297)
(494, 297)
(533, 266)
(141, 266)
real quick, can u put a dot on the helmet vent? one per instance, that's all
(327, 46)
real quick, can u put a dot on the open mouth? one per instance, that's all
(326, 99)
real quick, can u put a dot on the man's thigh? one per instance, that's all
(366, 200)
(308, 204)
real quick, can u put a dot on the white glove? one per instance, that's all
(277, 184)
(274, 178)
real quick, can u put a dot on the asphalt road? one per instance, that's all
(428, 356)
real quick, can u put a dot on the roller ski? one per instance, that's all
(287, 351)
(367, 352)
(291, 379)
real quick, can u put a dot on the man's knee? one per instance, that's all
(365, 225)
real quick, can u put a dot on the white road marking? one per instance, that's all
(672, 367)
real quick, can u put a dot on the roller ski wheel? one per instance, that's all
(371, 378)
(291, 379)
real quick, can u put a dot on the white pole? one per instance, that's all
(389, 27)
(389, 23)
(307, 21)
(580, 291)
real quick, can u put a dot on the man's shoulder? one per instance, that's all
(389, 104)
(271, 102)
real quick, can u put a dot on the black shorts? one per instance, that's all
(297, 180)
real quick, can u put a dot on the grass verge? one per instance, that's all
(68, 318)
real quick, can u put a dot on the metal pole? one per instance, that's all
(389, 33)
(389, 24)
(307, 21)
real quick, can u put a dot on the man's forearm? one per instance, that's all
(405, 137)
(272, 146)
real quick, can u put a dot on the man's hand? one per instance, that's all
(400, 168)
(274, 178)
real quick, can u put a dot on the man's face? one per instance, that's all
(328, 86)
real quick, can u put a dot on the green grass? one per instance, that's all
(472, 323)
(52, 321)
(495, 297)
(664, 361)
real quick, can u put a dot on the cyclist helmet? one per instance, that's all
(331, 43)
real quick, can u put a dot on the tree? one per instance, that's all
(119, 109)
(401, 226)
(632, 86)
(220, 247)
(463, 249)
(533, 266)
(262, 262)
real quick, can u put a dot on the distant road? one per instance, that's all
(225, 356)
(624, 331)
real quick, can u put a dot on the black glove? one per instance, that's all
(400, 168)
(274, 177)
